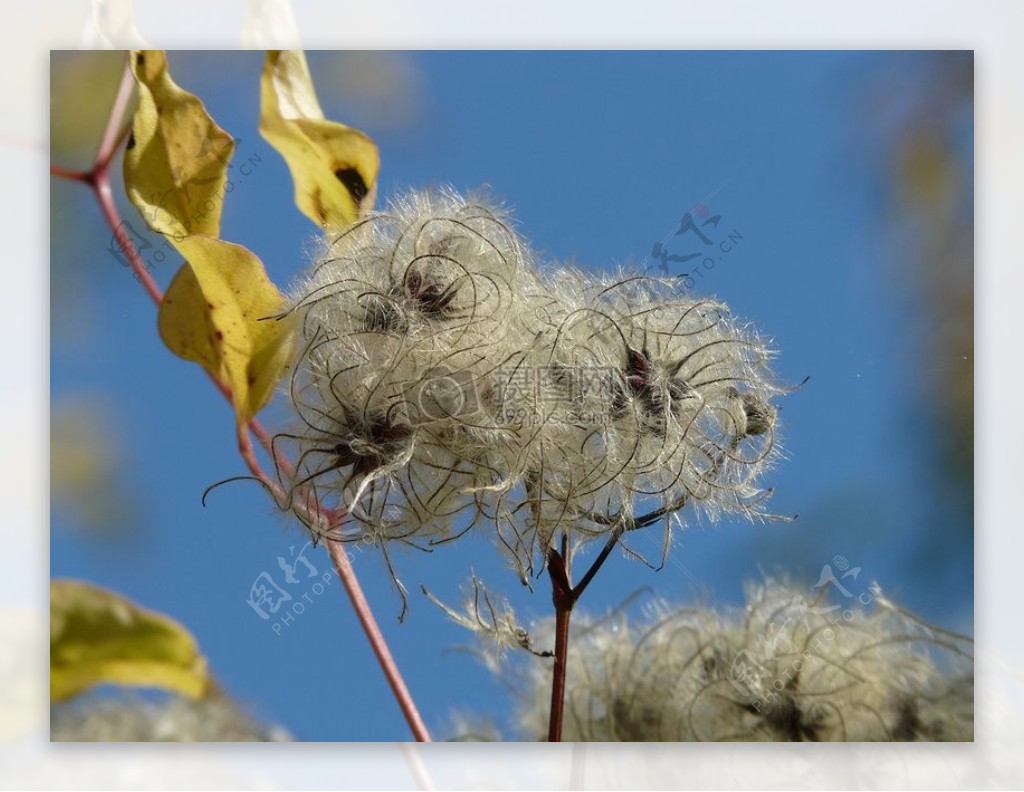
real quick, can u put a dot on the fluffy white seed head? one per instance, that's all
(686, 409)
(441, 373)
(782, 668)
(402, 321)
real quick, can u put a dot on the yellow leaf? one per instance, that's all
(177, 159)
(175, 170)
(334, 167)
(97, 636)
(218, 312)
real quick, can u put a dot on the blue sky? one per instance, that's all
(600, 155)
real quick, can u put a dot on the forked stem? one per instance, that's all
(564, 596)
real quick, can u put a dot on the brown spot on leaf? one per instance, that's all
(352, 180)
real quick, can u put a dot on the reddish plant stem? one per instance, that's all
(113, 133)
(564, 599)
(565, 595)
(98, 179)
(69, 173)
(562, 616)
(100, 184)
(380, 647)
(248, 453)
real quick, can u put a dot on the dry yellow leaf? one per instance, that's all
(177, 159)
(219, 312)
(175, 170)
(334, 167)
(97, 636)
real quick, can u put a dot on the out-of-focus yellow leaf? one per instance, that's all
(77, 118)
(97, 636)
(217, 312)
(176, 162)
(928, 177)
(86, 461)
(334, 167)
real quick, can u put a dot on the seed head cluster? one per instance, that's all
(441, 373)
(782, 668)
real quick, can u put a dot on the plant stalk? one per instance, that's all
(98, 179)
(564, 599)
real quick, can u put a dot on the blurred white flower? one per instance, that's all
(129, 718)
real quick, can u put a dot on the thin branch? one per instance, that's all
(116, 130)
(98, 178)
(563, 599)
(70, 173)
(598, 563)
(248, 454)
(644, 520)
(652, 517)
(105, 197)
(380, 647)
